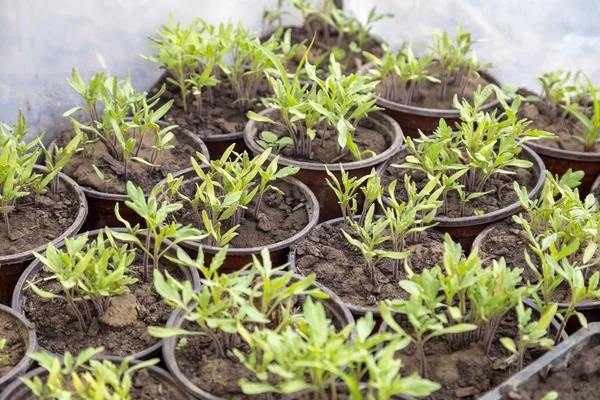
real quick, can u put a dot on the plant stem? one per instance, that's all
(421, 352)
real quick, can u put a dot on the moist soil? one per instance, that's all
(220, 113)
(368, 136)
(467, 373)
(502, 195)
(280, 217)
(80, 166)
(339, 266)
(509, 240)
(15, 346)
(430, 91)
(579, 379)
(122, 330)
(552, 121)
(33, 225)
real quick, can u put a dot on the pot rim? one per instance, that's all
(24, 363)
(595, 185)
(36, 265)
(569, 155)
(70, 231)
(200, 146)
(445, 222)
(388, 122)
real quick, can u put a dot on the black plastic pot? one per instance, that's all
(239, 257)
(464, 230)
(590, 310)
(19, 391)
(334, 306)
(102, 205)
(412, 119)
(314, 175)
(28, 336)
(22, 291)
(12, 266)
(555, 360)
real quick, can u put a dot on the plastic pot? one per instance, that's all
(19, 391)
(464, 230)
(28, 336)
(590, 310)
(334, 306)
(102, 205)
(555, 360)
(595, 185)
(217, 144)
(12, 266)
(22, 291)
(239, 257)
(314, 175)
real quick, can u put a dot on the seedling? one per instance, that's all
(346, 190)
(3, 357)
(557, 90)
(90, 273)
(589, 125)
(84, 377)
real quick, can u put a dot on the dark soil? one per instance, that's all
(80, 167)
(502, 195)
(430, 91)
(219, 115)
(280, 217)
(579, 379)
(122, 330)
(510, 241)
(33, 226)
(543, 119)
(368, 136)
(339, 266)
(15, 347)
(467, 373)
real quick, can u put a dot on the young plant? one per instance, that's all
(3, 357)
(90, 274)
(84, 377)
(531, 333)
(557, 91)
(274, 142)
(346, 190)
(588, 127)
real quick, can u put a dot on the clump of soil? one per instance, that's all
(369, 135)
(502, 195)
(33, 225)
(219, 115)
(579, 379)
(80, 166)
(430, 91)
(339, 266)
(122, 330)
(508, 239)
(466, 373)
(280, 217)
(15, 347)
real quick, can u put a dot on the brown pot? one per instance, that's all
(28, 336)
(314, 175)
(12, 266)
(217, 144)
(412, 119)
(102, 205)
(333, 305)
(239, 257)
(22, 290)
(465, 229)
(19, 391)
(559, 161)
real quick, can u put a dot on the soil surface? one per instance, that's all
(15, 347)
(33, 225)
(122, 330)
(220, 112)
(580, 379)
(430, 91)
(552, 121)
(510, 241)
(502, 195)
(368, 136)
(280, 217)
(339, 265)
(80, 167)
(466, 373)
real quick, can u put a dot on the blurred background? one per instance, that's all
(41, 40)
